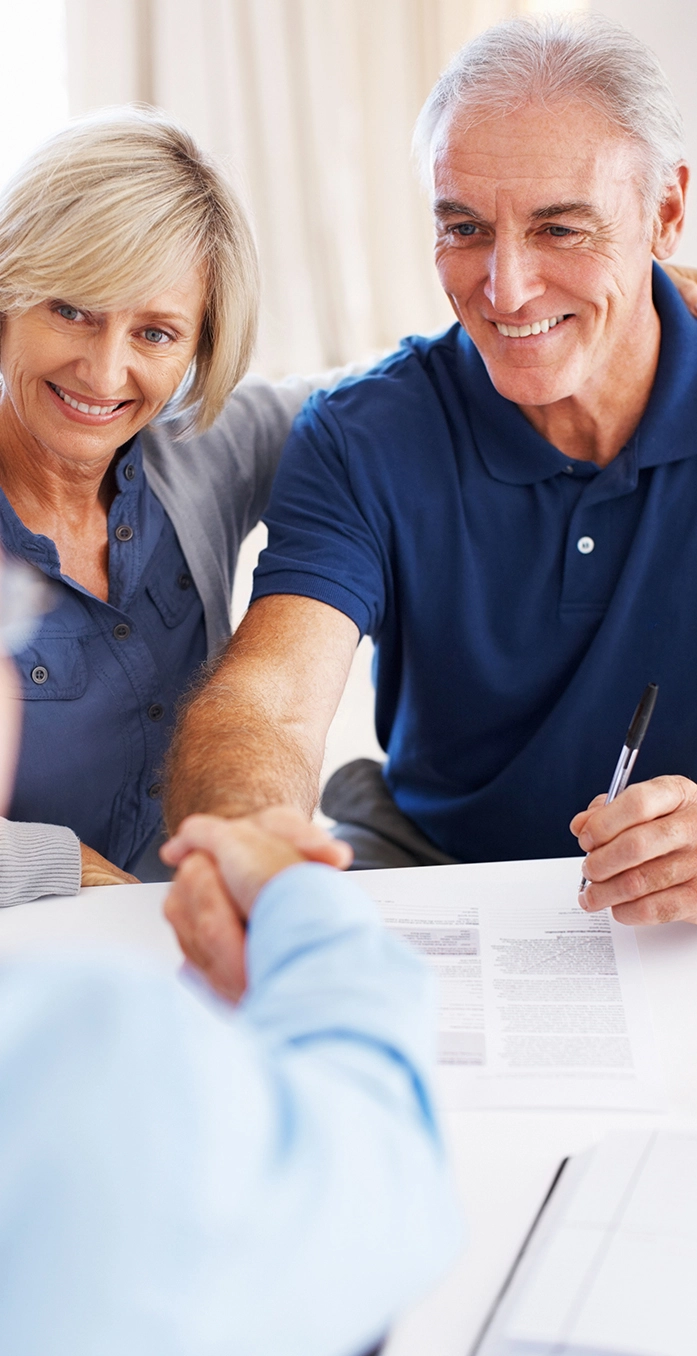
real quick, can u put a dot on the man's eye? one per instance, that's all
(466, 228)
(155, 336)
(560, 231)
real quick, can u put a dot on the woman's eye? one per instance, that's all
(155, 336)
(67, 312)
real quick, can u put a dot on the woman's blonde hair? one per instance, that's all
(118, 207)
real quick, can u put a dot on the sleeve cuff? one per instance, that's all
(300, 909)
(37, 860)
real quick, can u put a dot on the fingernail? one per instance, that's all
(583, 901)
(585, 840)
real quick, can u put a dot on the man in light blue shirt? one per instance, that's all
(180, 1176)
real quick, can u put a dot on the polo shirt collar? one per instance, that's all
(515, 453)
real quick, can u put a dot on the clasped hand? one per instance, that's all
(642, 852)
(222, 864)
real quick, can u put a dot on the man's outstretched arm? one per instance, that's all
(254, 735)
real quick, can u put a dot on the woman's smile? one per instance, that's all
(85, 409)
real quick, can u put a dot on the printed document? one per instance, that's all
(541, 1004)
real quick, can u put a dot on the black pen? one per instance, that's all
(633, 740)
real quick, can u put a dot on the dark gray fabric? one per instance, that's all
(215, 485)
(357, 797)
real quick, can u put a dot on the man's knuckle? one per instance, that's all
(666, 909)
(642, 796)
(635, 882)
(186, 871)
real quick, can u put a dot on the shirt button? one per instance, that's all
(130, 471)
(156, 711)
(39, 674)
(124, 532)
(569, 470)
(155, 790)
(184, 581)
(122, 631)
(585, 545)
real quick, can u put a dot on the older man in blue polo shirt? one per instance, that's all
(509, 509)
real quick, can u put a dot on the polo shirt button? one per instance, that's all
(569, 470)
(130, 471)
(155, 791)
(122, 631)
(39, 674)
(585, 545)
(156, 711)
(184, 581)
(124, 532)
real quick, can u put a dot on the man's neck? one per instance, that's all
(595, 424)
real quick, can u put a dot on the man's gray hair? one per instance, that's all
(558, 58)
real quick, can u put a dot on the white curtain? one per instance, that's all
(311, 103)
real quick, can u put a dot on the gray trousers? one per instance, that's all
(356, 796)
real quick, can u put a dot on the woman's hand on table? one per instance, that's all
(97, 870)
(642, 852)
(222, 864)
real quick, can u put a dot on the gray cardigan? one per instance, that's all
(214, 486)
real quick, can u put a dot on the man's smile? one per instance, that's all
(533, 327)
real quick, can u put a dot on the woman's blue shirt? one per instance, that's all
(101, 680)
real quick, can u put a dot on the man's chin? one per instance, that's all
(530, 385)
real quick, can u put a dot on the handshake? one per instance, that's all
(222, 864)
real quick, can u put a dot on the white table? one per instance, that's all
(503, 1160)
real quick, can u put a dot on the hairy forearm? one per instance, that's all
(254, 733)
(229, 759)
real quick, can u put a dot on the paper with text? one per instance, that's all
(541, 1004)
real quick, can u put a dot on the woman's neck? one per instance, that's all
(65, 500)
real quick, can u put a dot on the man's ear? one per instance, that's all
(670, 218)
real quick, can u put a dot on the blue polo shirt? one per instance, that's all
(100, 680)
(519, 600)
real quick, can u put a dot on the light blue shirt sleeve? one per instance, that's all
(181, 1178)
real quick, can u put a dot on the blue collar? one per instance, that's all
(513, 452)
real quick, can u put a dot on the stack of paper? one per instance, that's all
(610, 1268)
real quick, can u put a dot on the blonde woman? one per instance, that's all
(128, 293)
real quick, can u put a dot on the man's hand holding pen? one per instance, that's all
(642, 852)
